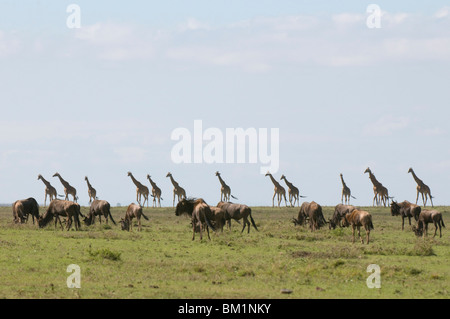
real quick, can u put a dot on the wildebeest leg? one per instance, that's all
(359, 234)
(353, 233)
(435, 228)
(368, 233)
(245, 224)
(403, 222)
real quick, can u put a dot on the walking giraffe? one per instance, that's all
(381, 192)
(68, 189)
(49, 190)
(156, 192)
(225, 190)
(141, 190)
(280, 192)
(422, 188)
(346, 193)
(293, 192)
(92, 193)
(177, 189)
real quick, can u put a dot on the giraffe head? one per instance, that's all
(268, 174)
(410, 170)
(56, 174)
(217, 173)
(85, 178)
(169, 174)
(39, 176)
(148, 176)
(367, 171)
(341, 175)
(129, 174)
(282, 176)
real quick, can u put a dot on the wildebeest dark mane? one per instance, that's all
(395, 208)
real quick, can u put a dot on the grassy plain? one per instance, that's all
(163, 262)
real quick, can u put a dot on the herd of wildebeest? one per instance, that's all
(205, 217)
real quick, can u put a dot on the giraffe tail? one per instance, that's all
(234, 197)
(353, 196)
(303, 196)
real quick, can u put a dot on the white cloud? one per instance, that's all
(442, 13)
(386, 126)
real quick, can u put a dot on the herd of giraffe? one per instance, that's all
(381, 194)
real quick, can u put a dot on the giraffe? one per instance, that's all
(293, 192)
(156, 192)
(280, 192)
(49, 190)
(422, 188)
(177, 189)
(225, 190)
(381, 192)
(141, 190)
(68, 189)
(346, 193)
(91, 191)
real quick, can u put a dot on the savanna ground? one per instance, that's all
(163, 262)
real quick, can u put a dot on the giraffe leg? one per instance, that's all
(417, 197)
(273, 199)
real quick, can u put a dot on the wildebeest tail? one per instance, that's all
(370, 224)
(146, 218)
(208, 222)
(251, 218)
(112, 219)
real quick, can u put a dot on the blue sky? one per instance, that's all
(103, 100)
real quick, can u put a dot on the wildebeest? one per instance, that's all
(24, 207)
(133, 211)
(311, 212)
(358, 218)
(405, 209)
(426, 217)
(237, 212)
(99, 208)
(63, 208)
(340, 210)
(219, 217)
(200, 212)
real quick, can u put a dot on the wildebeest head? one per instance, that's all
(395, 209)
(331, 224)
(418, 230)
(185, 206)
(125, 224)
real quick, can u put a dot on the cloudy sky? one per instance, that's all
(104, 99)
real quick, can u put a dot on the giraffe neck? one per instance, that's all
(174, 183)
(151, 182)
(63, 181)
(273, 180)
(45, 182)
(288, 183)
(89, 184)
(135, 181)
(374, 180)
(222, 182)
(342, 180)
(418, 180)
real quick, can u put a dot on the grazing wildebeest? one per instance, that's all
(340, 210)
(99, 208)
(200, 212)
(312, 212)
(405, 209)
(133, 211)
(426, 217)
(236, 212)
(62, 208)
(219, 217)
(24, 207)
(358, 218)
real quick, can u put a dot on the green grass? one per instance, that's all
(163, 262)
